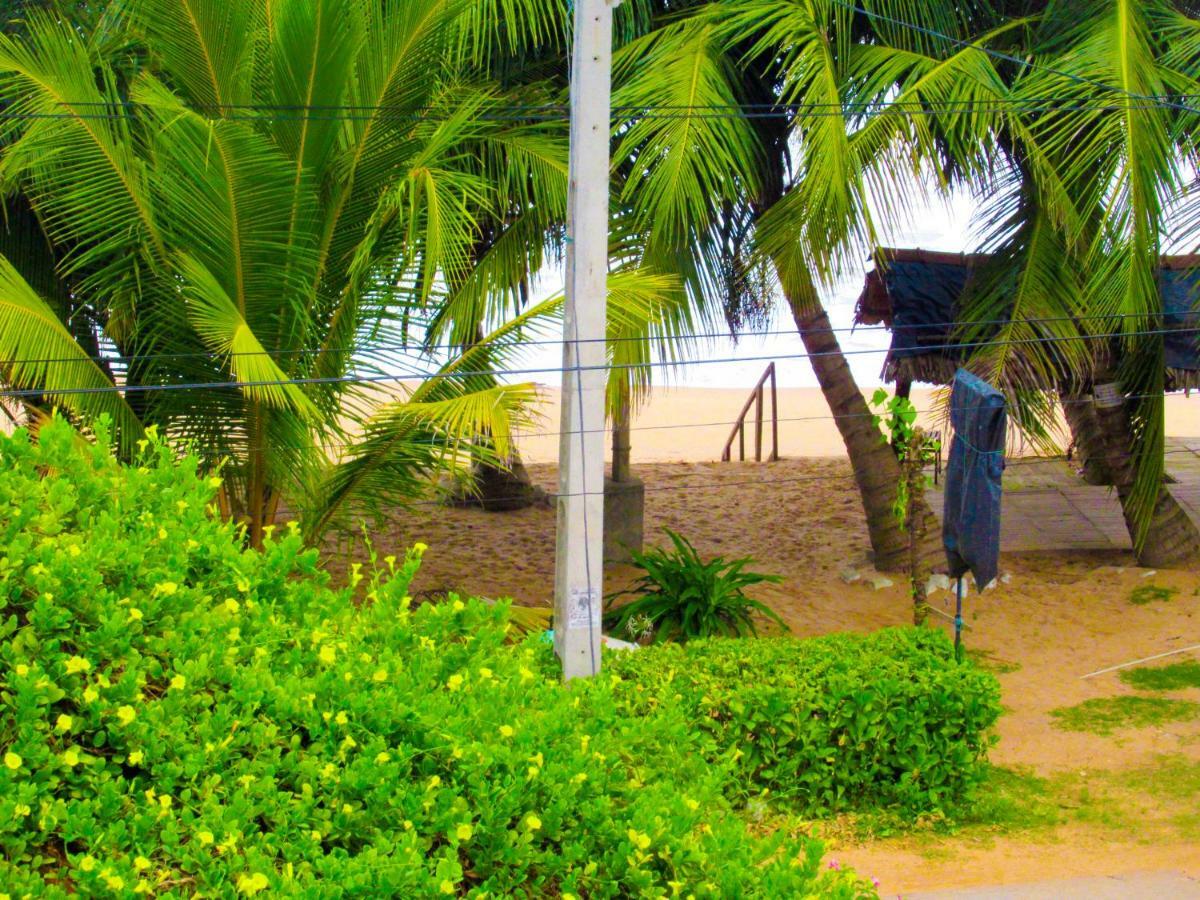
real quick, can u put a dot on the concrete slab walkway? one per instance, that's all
(1152, 885)
(1047, 506)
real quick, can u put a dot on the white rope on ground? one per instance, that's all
(1138, 662)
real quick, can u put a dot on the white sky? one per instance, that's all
(937, 226)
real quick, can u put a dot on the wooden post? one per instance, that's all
(758, 423)
(579, 559)
(774, 417)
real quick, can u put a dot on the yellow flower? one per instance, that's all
(434, 782)
(21, 810)
(136, 757)
(134, 613)
(166, 588)
(214, 481)
(87, 863)
(115, 882)
(232, 606)
(126, 714)
(164, 800)
(447, 886)
(252, 884)
(485, 673)
(348, 743)
(455, 682)
(347, 808)
(205, 838)
(327, 655)
(691, 804)
(90, 695)
(12, 760)
(141, 863)
(178, 683)
(142, 887)
(464, 832)
(342, 718)
(456, 753)
(103, 681)
(506, 731)
(419, 549)
(315, 835)
(77, 664)
(639, 840)
(162, 534)
(382, 757)
(380, 675)
(63, 723)
(580, 778)
(71, 756)
(458, 606)
(532, 822)
(22, 670)
(526, 675)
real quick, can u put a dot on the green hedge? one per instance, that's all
(845, 722)
(182, 717)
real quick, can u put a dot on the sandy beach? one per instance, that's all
(692, 424)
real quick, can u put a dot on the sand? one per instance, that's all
(1058, 617)
(693, 424)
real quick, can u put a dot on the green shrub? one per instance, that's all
(844, 722)
(179, 716)
(681, 596)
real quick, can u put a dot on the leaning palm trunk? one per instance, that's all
(1087, 439)
(876, 469)
(1171, 539)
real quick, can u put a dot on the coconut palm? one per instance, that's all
(791, 193)
(1078, 207)
(267, 200)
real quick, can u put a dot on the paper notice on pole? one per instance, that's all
(584, 608)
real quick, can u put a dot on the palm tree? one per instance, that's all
(267, 200)
(1078, 210)
(788, 188)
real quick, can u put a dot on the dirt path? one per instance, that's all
(1057, 618)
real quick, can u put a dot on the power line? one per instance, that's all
(494, 373)
(417, 349)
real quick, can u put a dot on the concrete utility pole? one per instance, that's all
(579, 563)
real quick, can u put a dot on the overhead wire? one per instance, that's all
(418, 348)
(361, 380)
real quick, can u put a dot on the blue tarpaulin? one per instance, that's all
(971, 529)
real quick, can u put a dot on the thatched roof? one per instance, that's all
(915, 293)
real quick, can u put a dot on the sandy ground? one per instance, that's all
(693, 424)
(1057, 618)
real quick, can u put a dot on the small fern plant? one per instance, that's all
(681, 596)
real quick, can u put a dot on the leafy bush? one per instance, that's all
(844, 722)
(683, 597)
(180, 716)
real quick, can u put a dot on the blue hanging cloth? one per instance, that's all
(971, 529)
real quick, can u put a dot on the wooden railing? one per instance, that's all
(757, 397)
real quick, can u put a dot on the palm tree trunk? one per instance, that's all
(876, 469)
(1172, 539)
(1089, 449)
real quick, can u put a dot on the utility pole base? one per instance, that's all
(624, 519)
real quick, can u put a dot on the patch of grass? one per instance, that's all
(1175, 677)
(990, 662)
(1103, 715)
(1151, 593)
